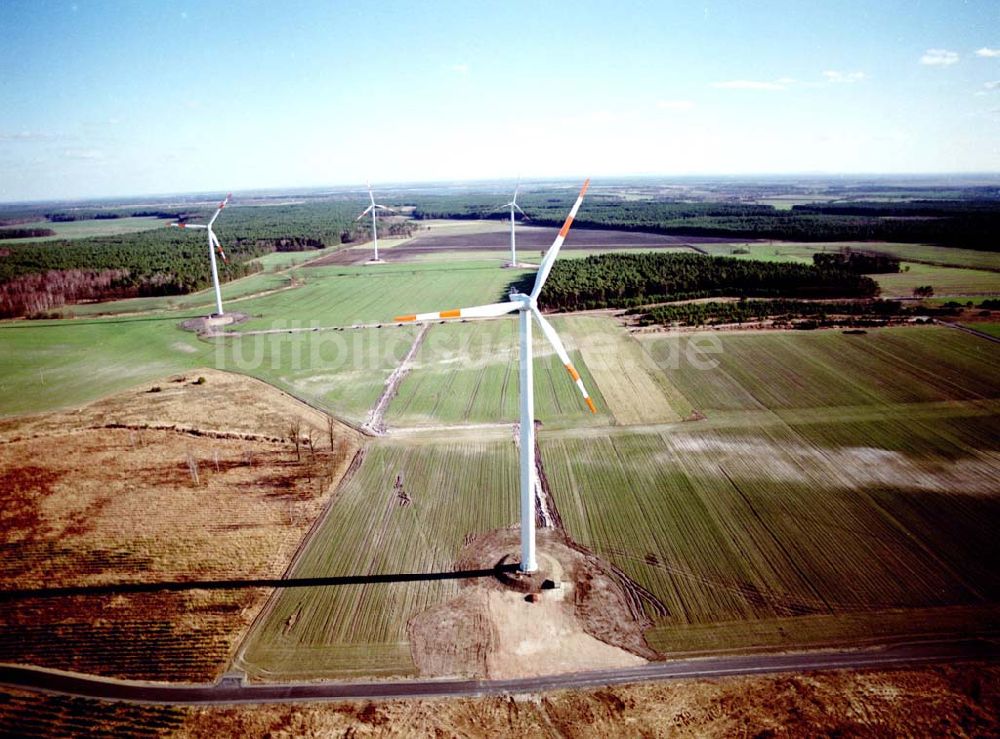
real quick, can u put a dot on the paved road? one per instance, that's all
(968, 330)
(232, 691)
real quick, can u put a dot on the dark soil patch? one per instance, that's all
(529, 239)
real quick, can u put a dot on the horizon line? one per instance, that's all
(458, 182)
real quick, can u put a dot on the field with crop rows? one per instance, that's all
(408, 509)
(634, 388)
(944, 280)
(342, 296)
(343, 372)
(833, 474)
(468, 373)
(783, 371)
(723, 527)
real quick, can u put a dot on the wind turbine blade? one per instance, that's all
(371, 195)
(386, 207)
(218, 210)
(553, 337)
(218, 246)
(187, 225)
(479, 311)
(365, 212)
(553, 252)
(518, 207)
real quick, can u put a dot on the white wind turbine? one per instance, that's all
(372, 209)
(513, 206)
(213, 244)
(526, 307)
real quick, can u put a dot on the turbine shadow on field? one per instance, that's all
(295, 582)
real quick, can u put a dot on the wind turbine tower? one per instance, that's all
(513, 206)
(372, 209)
(526, 307)
(213, 245)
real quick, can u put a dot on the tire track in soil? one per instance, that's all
(637, 597)
(376, 418)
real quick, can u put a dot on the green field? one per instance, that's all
(987, 327)
(342, 372)
(343, 296)
(833, 474)
(785, 251)
(837, 486)
(944, 280)
(231, 291)
(468, 373)
(358, 630)
(58, 364)
(786, 371)
(84, 229)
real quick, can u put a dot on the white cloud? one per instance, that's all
(83, 154)
(988, 53)
(836, 77)
(676, 105)
(26, 136)
(939, 58)
(781, 84)
(462, 69)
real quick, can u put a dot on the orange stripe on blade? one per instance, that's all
(586, 184)
(450, 313)
(572, 372)
(565, 229)
(590, 404)
(403, 319)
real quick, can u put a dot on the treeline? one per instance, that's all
(25, 233)
(36, 294)
(780, 311)
(967, 224)
(626, 280)
(37, 277)
(70, 217)
(861, 262)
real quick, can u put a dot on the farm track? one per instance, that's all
(231, 690)
(966, 329)
(376, 419)
(753, 419)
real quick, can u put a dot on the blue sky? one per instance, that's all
(122, 98)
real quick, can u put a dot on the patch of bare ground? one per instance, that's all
(588, 621)
(199, 482)
(957, 701)
(207, 400)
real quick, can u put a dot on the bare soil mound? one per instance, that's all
(208, 324)
(490, 629)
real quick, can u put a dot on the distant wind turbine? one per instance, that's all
(372, 209)
(213, 244)
(526, 307)
(513, 206)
